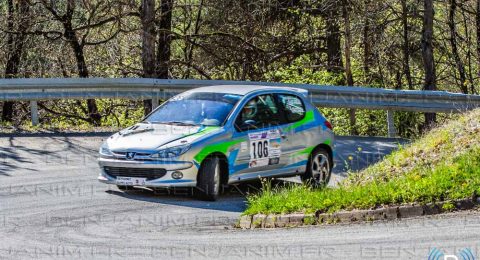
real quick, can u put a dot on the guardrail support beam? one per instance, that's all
(34, 112)
(392, 132)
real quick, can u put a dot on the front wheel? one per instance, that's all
(319, 168)
(208, 180)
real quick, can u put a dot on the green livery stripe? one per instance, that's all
(309, 150)
(328, 142)
(217, 147)
(206, 130)
(309, 117)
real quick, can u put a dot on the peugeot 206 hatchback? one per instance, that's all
(213, 136)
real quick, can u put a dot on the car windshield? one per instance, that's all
(197, 108)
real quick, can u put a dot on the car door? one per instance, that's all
(258, 126)
(294, 138)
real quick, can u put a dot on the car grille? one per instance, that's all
(139, 156)
(150, 174)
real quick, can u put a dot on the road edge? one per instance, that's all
(385, 213)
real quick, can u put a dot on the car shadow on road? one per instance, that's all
(233, 198)
(231, 202)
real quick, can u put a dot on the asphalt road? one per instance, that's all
(51, 206)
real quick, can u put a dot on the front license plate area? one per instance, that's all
(131, 181)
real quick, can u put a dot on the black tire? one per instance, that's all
(208, 180)
(319, 168)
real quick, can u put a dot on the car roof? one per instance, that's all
(245, 89)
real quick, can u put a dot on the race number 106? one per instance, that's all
(259, 149)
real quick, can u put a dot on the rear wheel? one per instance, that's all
(208, 180)
(319, 168)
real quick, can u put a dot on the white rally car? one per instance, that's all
(219, 135)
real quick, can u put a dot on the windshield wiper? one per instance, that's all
(175, 123)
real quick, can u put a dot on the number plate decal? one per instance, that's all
(265, 148)
(130, 181)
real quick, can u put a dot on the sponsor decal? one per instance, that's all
(243, 146)
(265, 148)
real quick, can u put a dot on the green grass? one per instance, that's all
(440, 166)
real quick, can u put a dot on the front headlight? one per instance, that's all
(171, 152)
(104, 150)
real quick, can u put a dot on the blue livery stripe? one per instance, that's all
(173, 181)
(239, 167)
(300, 163)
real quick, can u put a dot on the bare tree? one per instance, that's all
(190, 46)
(92, 16)
(77, 45)
(477, 25)
(148, 44)
(333, 38)
(348, 69)
(15, 45)
(427, 54)
(406, 45)
(367, 42)
(165, 37)
(453, 44)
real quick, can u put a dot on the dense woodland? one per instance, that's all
(403, 44)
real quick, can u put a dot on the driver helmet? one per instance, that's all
(250, 110)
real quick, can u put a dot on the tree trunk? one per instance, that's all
(427, 54)
(148, 45)
(164, 39)
(406, 47)
(191, 46)
(466, 27)
(15, 44)
(72, 39)
(477, 23)
(348, 43)
(367, 52)
(334, 50)
(453, 43)
(348, 69)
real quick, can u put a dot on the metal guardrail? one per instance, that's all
(159, 89)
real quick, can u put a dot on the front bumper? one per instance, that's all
(188, 169)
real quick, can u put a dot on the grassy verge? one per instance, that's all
(442, 165)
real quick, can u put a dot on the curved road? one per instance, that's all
(51, 206)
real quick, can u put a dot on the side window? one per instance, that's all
(259, 112)
(293, 107)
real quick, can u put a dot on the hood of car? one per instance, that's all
(144, 137)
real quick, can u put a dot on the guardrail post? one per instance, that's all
(155, 98)
(34, 112)
(392, 132)
(154, 103)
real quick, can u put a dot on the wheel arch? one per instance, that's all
(223, 165)
(327, 148)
